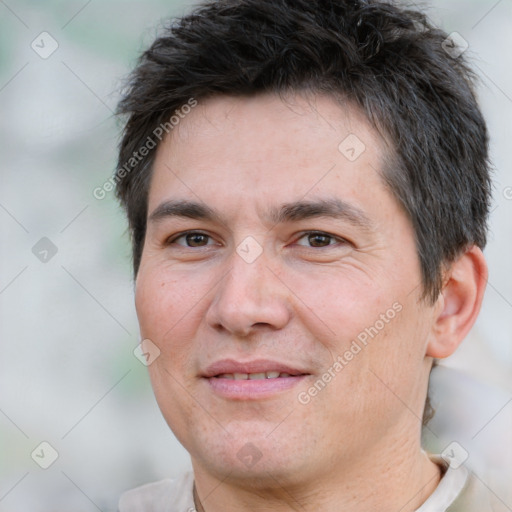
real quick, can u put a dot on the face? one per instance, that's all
(280, 282)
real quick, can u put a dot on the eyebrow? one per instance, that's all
(288, 212)
(182, 208)
(333, 207)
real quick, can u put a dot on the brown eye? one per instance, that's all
(192, 240)
(318, 240)
(197, 240)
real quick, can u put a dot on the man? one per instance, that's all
(307, 188)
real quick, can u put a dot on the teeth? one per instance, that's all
(257, 376)
(253, 376)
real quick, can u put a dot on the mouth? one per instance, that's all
(253, 379)
(254, 376)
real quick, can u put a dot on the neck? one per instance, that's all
(402, 481)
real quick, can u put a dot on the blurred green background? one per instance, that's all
(68, 329)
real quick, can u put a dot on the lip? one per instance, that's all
(251, 389)
(254, 366)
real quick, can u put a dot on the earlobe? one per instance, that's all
(459, 303)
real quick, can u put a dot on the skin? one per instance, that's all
(356, 444)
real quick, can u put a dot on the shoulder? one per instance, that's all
(169, 495)
(462, 490)
(481, 496)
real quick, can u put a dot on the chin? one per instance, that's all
(258, 458)
(269, 474)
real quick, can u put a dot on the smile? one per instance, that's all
(253, 376)
(252, 386)
(252, 380)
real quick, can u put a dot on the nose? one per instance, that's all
(250, 297)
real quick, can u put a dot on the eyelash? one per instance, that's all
(324, 234)
(173, 240)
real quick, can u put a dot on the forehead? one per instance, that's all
(266, 148)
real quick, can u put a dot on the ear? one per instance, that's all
(459, 302)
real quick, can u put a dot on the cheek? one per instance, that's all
(397, 359)
(340, 308)
(163, 304)
(375, 328)
(161, 308)
(155, 304)
(170, 308)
